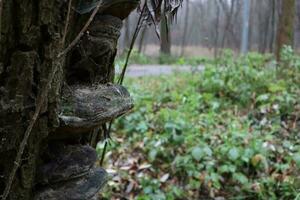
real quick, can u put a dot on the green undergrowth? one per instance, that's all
(230, 132)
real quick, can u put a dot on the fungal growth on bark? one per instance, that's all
(59, 162)
(89, 100)
(84, 108)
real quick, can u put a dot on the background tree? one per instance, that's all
(127, 33)
(285, 32)
(141, 41)
(201, 36)
(185, 29)
(165, 42)
(245, 31)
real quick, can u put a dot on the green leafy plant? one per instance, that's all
(231, 131)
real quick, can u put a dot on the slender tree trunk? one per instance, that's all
(264, 27)
(229, 14)
(252, 22)
(185, 29)
(285, 31)
(127, 34)
(234, 39)
(165, 45)
(272, 26)
(297, 33)
(245, 32)
(216, 39)
(142, 37)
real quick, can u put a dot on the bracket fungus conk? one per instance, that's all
(85, 108)
(68, 170)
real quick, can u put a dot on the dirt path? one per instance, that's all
(156, 70)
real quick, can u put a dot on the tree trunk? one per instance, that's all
(264, 27)
(31, 40)
(252, 21)
(165, 45)
(32, 33)
(228, 25)
(216, 39)
(185, 29)
(142, 37)
(285, 31)
(127, 34)
(245, 32)
(272, 26)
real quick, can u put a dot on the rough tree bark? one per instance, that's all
(31, 36)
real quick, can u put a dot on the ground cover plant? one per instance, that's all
(230, 132)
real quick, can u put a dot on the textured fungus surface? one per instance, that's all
(66, 162)
(88, 101)
(85, 108)
(84, 188)
(92, 61)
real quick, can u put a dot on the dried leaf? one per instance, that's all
(164, 178)
(129, 187)
(144, 166)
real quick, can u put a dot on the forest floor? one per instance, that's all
(230, 132)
